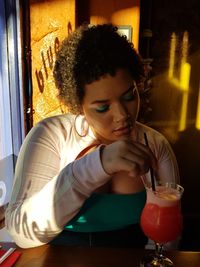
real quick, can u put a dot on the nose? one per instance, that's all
(120, 113)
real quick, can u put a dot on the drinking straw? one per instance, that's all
(151, 169)
(7, 254)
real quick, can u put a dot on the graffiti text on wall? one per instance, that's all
(48, 57)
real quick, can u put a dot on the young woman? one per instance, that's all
(79, 176)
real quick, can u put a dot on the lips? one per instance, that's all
(122, 131)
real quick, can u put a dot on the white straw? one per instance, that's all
(7, 254)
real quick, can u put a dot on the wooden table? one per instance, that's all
(58, 256)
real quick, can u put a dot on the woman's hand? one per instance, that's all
(124, 155)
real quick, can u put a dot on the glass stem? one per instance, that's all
(159, 250)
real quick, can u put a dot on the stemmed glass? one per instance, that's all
(161, 220)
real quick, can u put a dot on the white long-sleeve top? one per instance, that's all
(50, 186)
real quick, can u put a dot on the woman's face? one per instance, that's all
(111, 106)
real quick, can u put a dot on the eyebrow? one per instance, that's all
(133, 86)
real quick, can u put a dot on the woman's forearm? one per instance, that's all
(36, 220)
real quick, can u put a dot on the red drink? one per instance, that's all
(161, 218)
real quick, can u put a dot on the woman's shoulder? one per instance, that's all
(61, 122)
(59, 119)
(53, 127)
(153, 135)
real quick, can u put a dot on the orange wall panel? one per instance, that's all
(119, 13)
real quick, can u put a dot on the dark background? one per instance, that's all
(162, 18)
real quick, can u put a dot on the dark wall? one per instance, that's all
(163, 18)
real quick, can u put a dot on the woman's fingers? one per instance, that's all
(137, 163)
(123, 155)
(140, 149)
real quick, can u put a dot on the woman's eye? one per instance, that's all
(130, 96)
(102, 109)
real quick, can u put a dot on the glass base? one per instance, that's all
(154, 261)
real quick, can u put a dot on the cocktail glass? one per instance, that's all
(161, 220)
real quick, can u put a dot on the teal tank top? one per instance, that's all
(106, 212)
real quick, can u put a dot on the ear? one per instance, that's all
(81, 111)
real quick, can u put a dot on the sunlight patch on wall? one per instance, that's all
(181, 82)
(198, 112)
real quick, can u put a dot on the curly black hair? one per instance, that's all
(86, 55)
